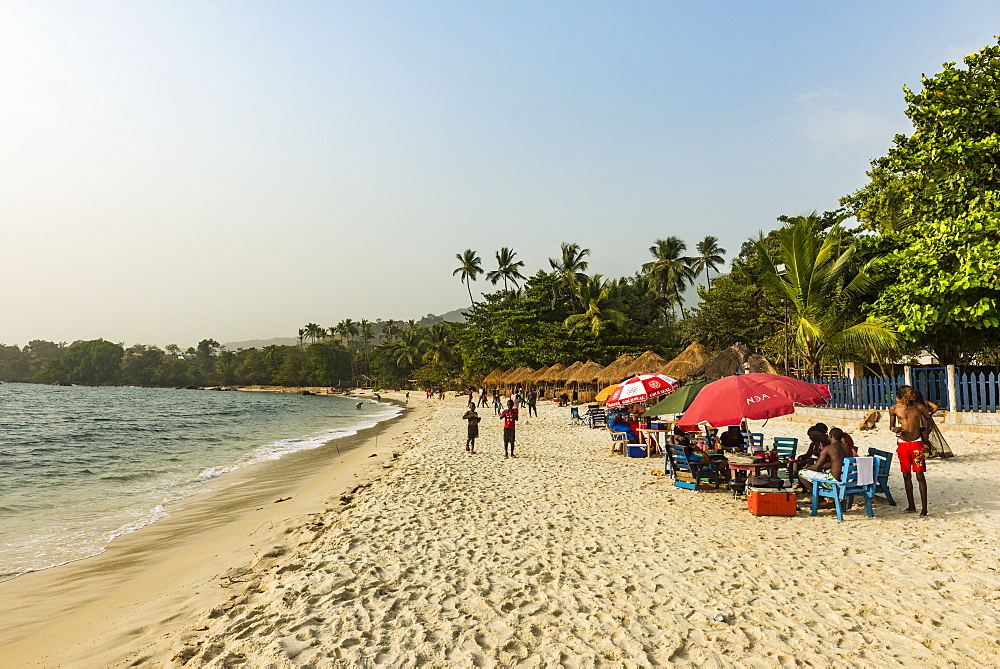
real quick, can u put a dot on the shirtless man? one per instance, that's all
(829, 464)
(914, 425)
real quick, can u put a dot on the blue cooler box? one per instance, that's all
(636, 451)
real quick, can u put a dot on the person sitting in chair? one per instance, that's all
(732, 439)
(829, 465)
(617, 424)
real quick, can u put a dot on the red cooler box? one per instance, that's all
(771, 503)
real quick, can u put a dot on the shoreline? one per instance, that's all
(563, 555)
(80, 609)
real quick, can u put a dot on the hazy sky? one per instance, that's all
(171, 171)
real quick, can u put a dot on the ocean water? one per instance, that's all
(80, 466)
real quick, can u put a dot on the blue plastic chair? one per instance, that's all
(753, 441)
(883, 460)
(842, 492)
(787, 448)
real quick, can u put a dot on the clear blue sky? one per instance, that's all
(172, 171)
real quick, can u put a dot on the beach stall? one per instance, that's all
(493, 378)
(584, 381)
(615, 373)
(532, 380)
(548, 380)
(647, 363)
(690, 358)
(562, 378)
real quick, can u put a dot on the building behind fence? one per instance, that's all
(973, 391)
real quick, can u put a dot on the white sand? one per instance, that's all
(566, 555)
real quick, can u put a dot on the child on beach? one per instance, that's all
(509, 423)
(473, 419)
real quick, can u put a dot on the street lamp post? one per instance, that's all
(780, 269)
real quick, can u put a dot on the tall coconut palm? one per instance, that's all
(302, 335)
(367, 334)
(470, 268)
(569, 268)
(411, 348)
(507, 269)
(670, 272)
(439, 347)
(314, 331)
(600, 309)
(709, 257)
(389, 330)
(822, 282)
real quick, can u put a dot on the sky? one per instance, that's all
(175, 171)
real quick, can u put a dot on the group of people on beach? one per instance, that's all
(518, 399)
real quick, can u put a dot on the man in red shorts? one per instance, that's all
(915, 423)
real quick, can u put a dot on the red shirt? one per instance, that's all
(509, 418)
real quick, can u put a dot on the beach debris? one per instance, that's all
(345, 499)
(718, 617)
(373, 455)
(282, 499)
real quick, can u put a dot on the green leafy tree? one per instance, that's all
(942, 265)
(94, 362)
(470, 268)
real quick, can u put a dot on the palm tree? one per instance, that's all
(411, 349)
(470, 268)
(367, 334)
(507, 269)
(600, 308)
(438, 347)
(411, 324)
(389, 329)
(314, 331)
(710, 258)
(569, 269)
(822, 281)
(302, 335)
(670, 272)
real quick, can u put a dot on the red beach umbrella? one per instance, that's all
(755, 396)
(641, 388)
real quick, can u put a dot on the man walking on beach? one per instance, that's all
(509, 424)
(532, 403)
(473, 419)
(915, 424)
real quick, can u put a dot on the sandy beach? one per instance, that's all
(564, 555)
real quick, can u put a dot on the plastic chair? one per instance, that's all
(703, 469)
(787, 448)
(842, 492)
(574, 414)
(883, 461)
(619, 442)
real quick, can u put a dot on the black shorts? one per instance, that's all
(508, 435)
(473, 431)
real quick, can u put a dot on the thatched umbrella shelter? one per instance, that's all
(522, 374)
(493, 377)
(585, 380)
(564, 375)
(690, 358)
(735, 359)
(586, 373)
(533, 379)
(615, 372)
(647, 363)
(552, 373)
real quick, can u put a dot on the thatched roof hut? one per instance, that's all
(690, 358)
(537, 376)
(647, 363)
(568, 372)
(493, 377)
(587, 373)
(615, 372)
(731, 361)
(552, 373)
(522, 374)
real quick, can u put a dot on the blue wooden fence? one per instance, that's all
(974, 391)
(872, 392)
